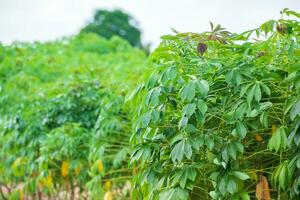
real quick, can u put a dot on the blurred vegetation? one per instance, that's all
(110, 23)
(63, 127)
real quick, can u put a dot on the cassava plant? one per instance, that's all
(64, 130)
(219, 117)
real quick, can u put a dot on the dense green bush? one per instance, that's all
(219, 117)
(63, 126)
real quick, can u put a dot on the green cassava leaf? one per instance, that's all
(241, 129)
(241, 175)
(251, 94)
(231, 186)
(203, 87)
(180, 149)
(295, 110)
(187, 93)
(189, 109)
(202, 106)
(257, 92)
(174, 194)
(278, 140)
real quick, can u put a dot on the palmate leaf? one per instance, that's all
(181, 177)
(232, 151)
(169, 74)
(202, 106)
(244, 89)
(174, 194)
(187, 93)
(203, 87)
(189, 109)
(266, 89)
(245, 196)
(279, 140)
(268, 26)
(251, 94)
(291, 12)
(257, 92)
(231, 186)
(241, 175)
(152, 97)
(241, 129)
(294, 137)
(295, 110)
(145, 119)
(131, 95)
(180, 149)
(282, 175)
(183, 121)
(226, 183)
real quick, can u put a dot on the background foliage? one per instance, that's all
(64, 129)
(110, 23)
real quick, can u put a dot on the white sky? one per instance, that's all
(28, 20)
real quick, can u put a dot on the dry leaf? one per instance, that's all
(259, 191)
(258, 138)
(262, 189)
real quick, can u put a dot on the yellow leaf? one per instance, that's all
(100, 166)
(47, 181)
(253, 175)
(107, 185)
(258, 138)
(18, 166)
(262, 189)
(18, 162)
(136, 170)
(21, 194)
(65, 168)
(274, 129)
(108, 196)
(77, 170)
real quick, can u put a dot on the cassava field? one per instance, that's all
(214, 115)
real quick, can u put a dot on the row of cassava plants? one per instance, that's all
(219, 117)
(64, 129)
